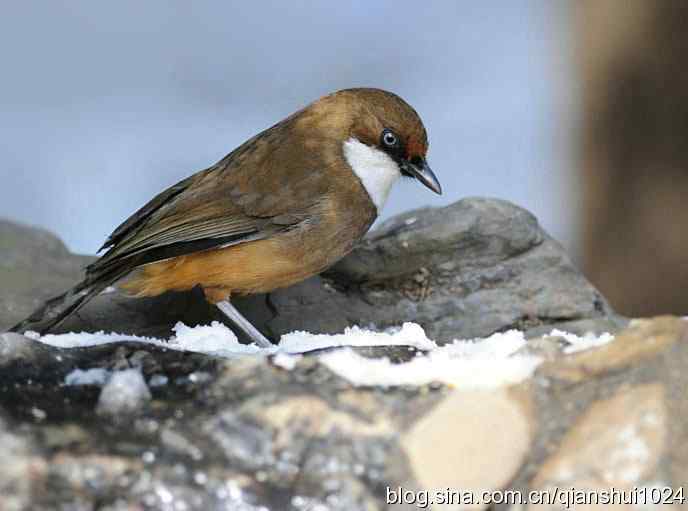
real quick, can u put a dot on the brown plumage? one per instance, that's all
(281, 207)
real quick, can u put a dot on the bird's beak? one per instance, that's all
(423, 173)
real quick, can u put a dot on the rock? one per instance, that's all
(20, 470)
(34, 265)
(467, 270)
(614, 416)
(630, 428)
(14, 348)
(643, 339)
(250, 433)
(478, 452)
(20, 355)
(124, 394)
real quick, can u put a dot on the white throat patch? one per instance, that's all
(375, 168)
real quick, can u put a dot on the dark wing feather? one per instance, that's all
(134, 221)
(267, 185)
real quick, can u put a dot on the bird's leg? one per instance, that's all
(235, 316)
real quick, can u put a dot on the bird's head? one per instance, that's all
(382, 138)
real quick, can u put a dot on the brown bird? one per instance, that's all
(283, 206)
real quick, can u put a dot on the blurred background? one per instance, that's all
(576, 111)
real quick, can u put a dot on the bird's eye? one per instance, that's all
(389, 138)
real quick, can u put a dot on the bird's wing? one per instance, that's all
(132, 224)
(261, 188)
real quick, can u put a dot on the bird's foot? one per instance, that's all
(244, 324)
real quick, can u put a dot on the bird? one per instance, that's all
(283, 206)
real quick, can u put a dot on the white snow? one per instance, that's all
(286, 361)
(586, 342)
(489, 363)
(410, 334)
(480, 363)
(158, 380)
(95, 376)
(218, 339)
(214, 339)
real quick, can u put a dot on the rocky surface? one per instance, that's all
(34, 265)
(201, 433)
(133, 426)
(467, 270)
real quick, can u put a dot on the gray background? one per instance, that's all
(103, 104)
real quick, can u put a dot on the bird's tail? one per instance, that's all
(55, 310)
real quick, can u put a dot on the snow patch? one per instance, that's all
(215, 339)
(286, 361)
(484, 364)
(410, 334)
(492, 362)
(158, 380)
(95, 376)
(218, 339)
(577, 343)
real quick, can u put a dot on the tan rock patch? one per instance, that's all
(360, 400)
(644, 338)
(314, 417)
(618, 443)
(473, 440)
